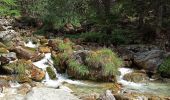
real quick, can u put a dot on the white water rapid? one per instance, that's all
(30, 44)
(123, 72)
(48, 62)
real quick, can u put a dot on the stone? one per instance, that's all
(137, 77)
(44, 49)
(24, 71)
(43, 93)
(147, 57)
(24, 89)
(93, 96)
(37, 57)
(107, 96)
(22, 53)
(1, 28)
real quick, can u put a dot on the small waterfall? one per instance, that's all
(123, 72)
(46, 62)
(30, 44)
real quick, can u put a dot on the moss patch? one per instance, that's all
(51, 73)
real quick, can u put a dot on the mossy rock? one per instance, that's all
(43, 41)
(3, 50)
(164, 68)
(24, 71)
(51, 73)
(136, 77)
(100, 65)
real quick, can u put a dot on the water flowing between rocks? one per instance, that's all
(150, 87)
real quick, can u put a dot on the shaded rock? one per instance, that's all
(136, 77)
(78, 47)
(37, 57)
(1, 28)
(147, 57)
(69, 28)
(43, 41)
(4, 60)
(107, 96)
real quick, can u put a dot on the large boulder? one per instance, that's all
(147, 57)
(98, 65)
(24, 71)
(22, 53)
(42, 93)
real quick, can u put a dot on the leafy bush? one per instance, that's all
(6, 8)
(165, 67)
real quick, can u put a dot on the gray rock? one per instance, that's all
(107, 96)
(49, 94)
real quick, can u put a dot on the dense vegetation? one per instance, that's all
(111, 17)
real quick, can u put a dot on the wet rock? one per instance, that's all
(37, 57)
(24, 71)
(107, 96)
(44, 49)
(136, 77)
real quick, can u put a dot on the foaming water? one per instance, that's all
(30, 44)
(123, 72)
(47, 62)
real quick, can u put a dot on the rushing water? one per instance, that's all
(149, 87)
(89, 87)
(30, 44)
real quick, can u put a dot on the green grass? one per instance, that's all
(78, 68)
(106, 59)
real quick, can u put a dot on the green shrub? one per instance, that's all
(8, 7)
(165, 67)
(117, 37)
(106, 59)
(51, 73)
